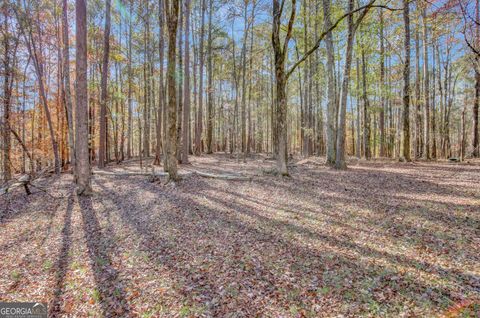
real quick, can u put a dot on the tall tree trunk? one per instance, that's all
(210, 81)
(199, 121)
(281, 82)
(331, 103)
(129, 92)
(382, 86)
(102, 147)
(341, 131)
(366, 114)
(244, 88)
(434, 124)
(81, 100)
(186, 91)
(180, 127)
(161, 108)
(358, 151)
(417, 149)
(7, 100)
(66, 83)
(426, 93)
(172, 8)
(406, 83)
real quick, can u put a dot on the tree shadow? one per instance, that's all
(256, 260)
(109, 287)
(61, 265)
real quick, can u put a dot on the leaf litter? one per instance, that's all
(382, 239)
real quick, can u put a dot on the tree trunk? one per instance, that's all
(186, 92)
(7, 101)
(102, 147)
(426, 93)
(199, 121)
(476, 103)
(341, 131)
(81, 100)
(172, 8)
(366, 115)
(406, 83)
(180, 86)
(281, 82)
(210, 82)
(161, 118)
(382, 87)
(66, 84)
(331, 103)
(129, 92)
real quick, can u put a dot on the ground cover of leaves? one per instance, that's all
(382, 239)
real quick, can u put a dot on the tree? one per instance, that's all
(426, 93)
(9, 58)
(210, 81)
(81, 101)
(186, 88)
(199, 120)
(331, 98)
(102, 148)
(129, 93)
(172, 9)
(406, 82)
(382, 85)
(341, 131)
(27, 26)
(280, 54)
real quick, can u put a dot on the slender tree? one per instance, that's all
(406, 82)
(66, 82)
(186, 87)
(172, 10)
(102, 147)
(81, 101)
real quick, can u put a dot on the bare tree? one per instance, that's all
(341, 131)
(81, 101)
(26, 28)
(426, 93)
(172, 9)
(406, 82)
(66, 82)
(102, 149)
(199, 120)
(186, 90)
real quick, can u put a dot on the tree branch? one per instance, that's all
(324, 33)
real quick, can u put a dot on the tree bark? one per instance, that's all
(406, 83)
(366, 114)
(210, 82)
(83, 172)
(426, 93)
(186, 91)
(66, 83)
(199, 121)
(281, 82)
(129, 92)
(102, 147)
(382, 86)
(172, 9)
(341, 131)
(331, 100)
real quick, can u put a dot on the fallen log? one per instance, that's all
(23, 180)
(165, 174)
(222, 176)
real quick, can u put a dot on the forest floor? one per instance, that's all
(380, 239)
